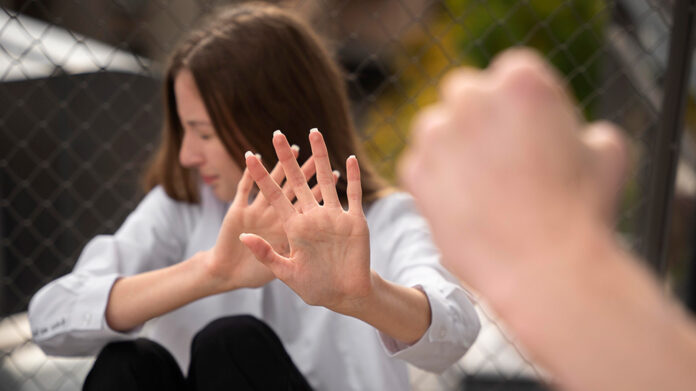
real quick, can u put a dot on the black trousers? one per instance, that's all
(232, 353)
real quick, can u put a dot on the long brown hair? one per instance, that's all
(259, 68)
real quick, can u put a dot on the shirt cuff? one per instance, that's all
(442, 344)
(89, 313)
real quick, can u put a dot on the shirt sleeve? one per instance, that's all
(67, 316)
(409, 258)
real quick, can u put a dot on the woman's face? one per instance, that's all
(201, 148)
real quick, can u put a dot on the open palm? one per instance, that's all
(231, 263)
(329, 259)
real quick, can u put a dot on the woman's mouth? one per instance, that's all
(209, 179)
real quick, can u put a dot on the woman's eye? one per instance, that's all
(206, 136)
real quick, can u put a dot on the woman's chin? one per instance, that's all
(221, 193)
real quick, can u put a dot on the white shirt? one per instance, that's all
(333, 351)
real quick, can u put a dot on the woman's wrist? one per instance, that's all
(355, 303)
(136, 299)
(364, 302)
(209, 281)
(401, 312)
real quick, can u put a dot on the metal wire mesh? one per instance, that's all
(80, 113)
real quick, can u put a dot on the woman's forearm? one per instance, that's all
(401, 312)
(136, 299)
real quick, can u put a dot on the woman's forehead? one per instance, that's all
(189, 102)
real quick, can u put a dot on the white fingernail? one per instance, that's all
(247, 154)
(277, 132)
(337, 173)
(295, 147)
(352, 156)
(258, 156)
(313, 130)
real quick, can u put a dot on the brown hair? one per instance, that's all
(258, 69)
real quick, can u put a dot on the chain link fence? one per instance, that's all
(80, 113)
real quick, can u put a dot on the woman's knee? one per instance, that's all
(243, 350)
(131, 352)
(136, 364)
(232, 331)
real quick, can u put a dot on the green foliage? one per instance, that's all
(568, 33)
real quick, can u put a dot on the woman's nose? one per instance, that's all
(189, 154)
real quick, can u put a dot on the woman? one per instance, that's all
(177, 274)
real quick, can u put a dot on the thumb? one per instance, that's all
(264, 253)
(610, 156)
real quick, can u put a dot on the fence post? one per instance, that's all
(665, 152)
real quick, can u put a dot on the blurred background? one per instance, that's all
(80, 112)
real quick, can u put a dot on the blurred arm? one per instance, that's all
(520, 193)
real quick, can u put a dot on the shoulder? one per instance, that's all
(157, 200)
(158, 197)
(157, 207)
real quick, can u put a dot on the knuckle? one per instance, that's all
(274, 195)
(518, 56)
(454, 80)
(522, 76)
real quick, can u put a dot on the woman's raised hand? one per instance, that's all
(329, 259)
(230, 264)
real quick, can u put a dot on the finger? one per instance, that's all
(458, 82)
(428, 126)
(323, 165)
(308, 171)
(610, 159)
(523, 70)
(466, 98)
(264, 252)
(269, 188)
(525, 58)
(293, 173)
(277, 173)
(316, 190)
(406, 170)
(241, 198)
(278, 176)
(354, 190)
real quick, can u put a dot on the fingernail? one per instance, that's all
(313, 130)
(295, 147)
(337, 173)
(277, 132)
(243, 234)
(352, 156)
(258, 156)
(247, 154)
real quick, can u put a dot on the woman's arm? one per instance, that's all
(401, 312)
(225, 267)
(67, 316)
(329, 260)
(402, 251)
(136, 299)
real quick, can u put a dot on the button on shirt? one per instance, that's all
(333, 351)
